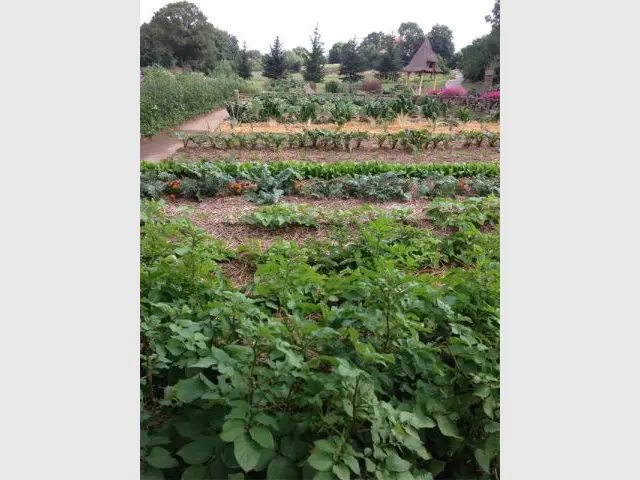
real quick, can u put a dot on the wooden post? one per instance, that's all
(435, 78)
(408, 73)
(420, 86)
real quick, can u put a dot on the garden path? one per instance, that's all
(456, 81)
(164, 144)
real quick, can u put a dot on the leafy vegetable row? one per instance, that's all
(308, 170)
(382, 110)
(407, 139)
(264, 186)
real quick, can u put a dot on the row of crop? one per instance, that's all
(261, 186)
(407, 139)
(309, 170)
(167, 99)
(336, 360)
(442, 212)
(480, 102)
(341, 111)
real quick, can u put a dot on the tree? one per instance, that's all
(494, 18)
(351, 62)
(374, 38)
(370, 55)
(244, 69)
(412, 37)
(179, 31)
(314, 64)
(292, 62)
(390, 60)
(441, 39)
(301, 52)
(334, 53)
(274, 61)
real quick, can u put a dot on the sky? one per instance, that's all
(258, 22)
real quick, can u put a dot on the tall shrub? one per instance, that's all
(167, 100)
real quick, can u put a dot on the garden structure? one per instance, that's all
(423, 62)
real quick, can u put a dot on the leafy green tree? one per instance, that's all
(274, 61)
(178, 33)
(441, 39)
(374, 38)
(292, 62)
(390, 60)
(412, 37)
(352, 63)
(494, 18)
(334, 52)
(370, 55)
(314, 64)
(244, 68)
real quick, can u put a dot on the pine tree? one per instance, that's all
(244, 69)
(390, 61)
(352, 62)
(314, 64)
(274, 61)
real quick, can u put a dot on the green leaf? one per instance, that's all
(293, 448)
(246, 451)
(152, 474)
(265, 419)
(158, 457)
(321, 461)
(190, 389)
(232, 429)
(198, 451)
(194, 472)
(342, 472)
(325, 446)
(482, 391)
(281, 468)
(446, 427)
(352, 462)
(483, 460)
(492, 427)
(487, 407)
(204, 362)
(266, 455)
(404, 476)
(235, 476)
(262, 436)
(371, 467)
(396, 464)
(190, 430)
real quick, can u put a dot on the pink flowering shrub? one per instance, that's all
(495, 94)
(448, 92)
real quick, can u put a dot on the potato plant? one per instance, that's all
(337, 360)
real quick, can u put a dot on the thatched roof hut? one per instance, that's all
(425, 61)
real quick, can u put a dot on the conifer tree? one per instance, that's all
(244, 69)
(314, 64)
(352, 63)
(274, 61)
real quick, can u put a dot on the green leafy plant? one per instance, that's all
(278, 216)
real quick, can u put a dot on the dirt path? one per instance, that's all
(164, 144)
(456, 81)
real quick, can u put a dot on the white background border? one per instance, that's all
(70, 252)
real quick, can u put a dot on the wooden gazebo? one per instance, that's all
(423, 62)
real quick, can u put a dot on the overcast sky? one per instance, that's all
(258, 22)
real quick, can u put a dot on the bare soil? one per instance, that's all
(369, 151)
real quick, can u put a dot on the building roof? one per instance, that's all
(424, 61)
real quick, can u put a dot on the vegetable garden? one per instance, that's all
(324, 313)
